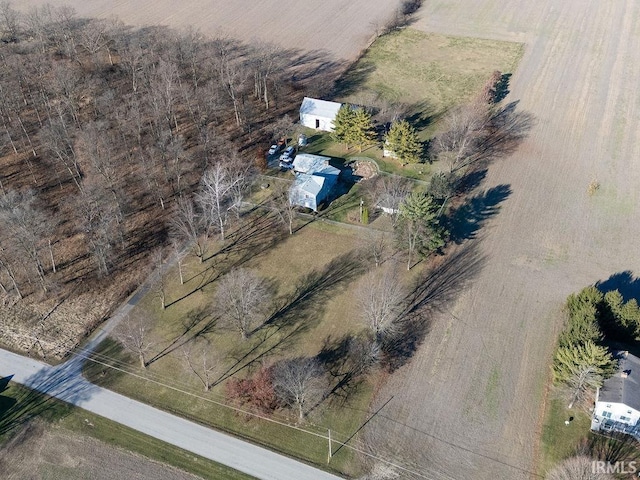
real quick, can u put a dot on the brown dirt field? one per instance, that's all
(478, 380)
(340, 28)
(54, 453)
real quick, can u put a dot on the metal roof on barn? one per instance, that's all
(319, 108)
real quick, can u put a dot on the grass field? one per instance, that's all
(318, 266)
(41, 437)
(428, 72)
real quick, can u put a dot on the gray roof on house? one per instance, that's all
(313, 164)
(624, 386)
(309, 183)
(319, 108)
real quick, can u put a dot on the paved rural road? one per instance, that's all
(66, 383)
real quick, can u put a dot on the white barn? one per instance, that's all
(315, 179)
(617, 406)
(318, 114)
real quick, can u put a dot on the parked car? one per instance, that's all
(286, 165)
(273, 149)
(287, 155)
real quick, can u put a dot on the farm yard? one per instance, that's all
(315, 274)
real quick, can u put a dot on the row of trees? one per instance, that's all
(354, 127)
(582, 361)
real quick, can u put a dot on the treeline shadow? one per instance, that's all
(465, 221)
(625, 282)
(506, 130)
(431, 292)
(30, 403)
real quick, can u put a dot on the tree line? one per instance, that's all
(583, 358)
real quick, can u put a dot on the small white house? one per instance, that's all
(315, 179)
(617, 406)
(318, 114)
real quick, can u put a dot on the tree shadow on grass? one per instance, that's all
(351, 81)
(432, 292)
(347, 359)
(625, 282)
(196, 323)
(251, 239)
(465, 221)
(315, 288)
(613, 448)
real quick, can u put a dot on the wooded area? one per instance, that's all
(105, 133)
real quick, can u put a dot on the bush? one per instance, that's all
(256, 391)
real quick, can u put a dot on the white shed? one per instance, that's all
(318, 114)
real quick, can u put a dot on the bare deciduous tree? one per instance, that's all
(377, 245)
(200, 359)
(133, 334)
(26, 227)
(300, 383)
(9, 22)
(218, 194)
(463, 128)
(241, 299)
(387, 193)
(579, 467)
(159, 276)
(187, 225)
(287, 212)
(380, 302)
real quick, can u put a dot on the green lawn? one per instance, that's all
(560, 441)
(428, 72)
(319, 260)
(19, 405)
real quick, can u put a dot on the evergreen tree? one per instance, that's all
(403, 141)
(343, 124)
(353, 127)
(623, 319)
(418, 230)
(362, 133)
(570, 361)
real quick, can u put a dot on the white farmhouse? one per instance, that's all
(617, 405)
(318, 114)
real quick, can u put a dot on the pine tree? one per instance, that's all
(582, 368)
(343, 124)
(362, 133)
(403, 141)
(418, 230)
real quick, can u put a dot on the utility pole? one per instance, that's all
(330, 453)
